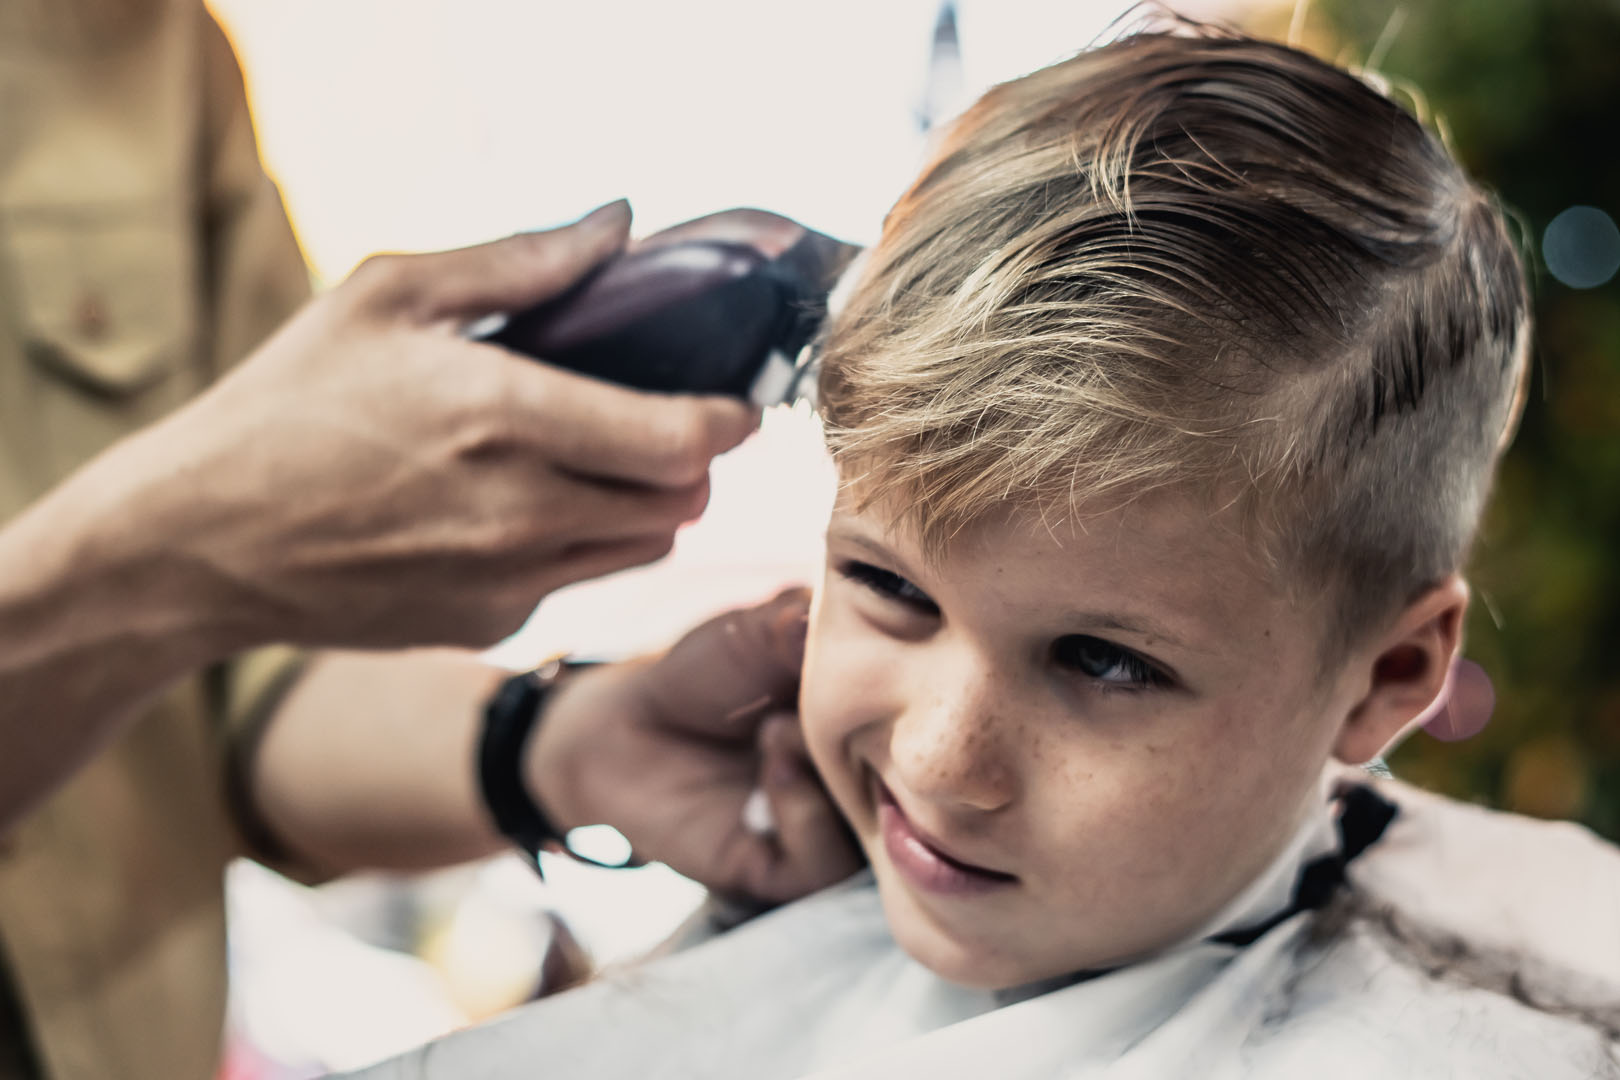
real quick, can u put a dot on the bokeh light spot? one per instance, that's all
(1468, 706)
(600, 843)
(1582, 247)
(1547, 778)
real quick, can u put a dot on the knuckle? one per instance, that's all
(482, 436)
(743, 642)
(476, 404)
(378, 277)
(375, 269)
(684, 449)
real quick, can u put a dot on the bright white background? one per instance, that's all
(420, 124)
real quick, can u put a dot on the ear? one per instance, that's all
(1405, 670)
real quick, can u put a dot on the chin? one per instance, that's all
(977, 964)
(965, 966)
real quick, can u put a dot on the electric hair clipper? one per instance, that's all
(724, 304)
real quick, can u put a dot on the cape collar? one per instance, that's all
(1346, 820)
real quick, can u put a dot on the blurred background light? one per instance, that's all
(600, 843)
(1582, 247)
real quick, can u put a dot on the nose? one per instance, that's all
(950, 745)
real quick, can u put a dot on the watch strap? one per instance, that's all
(510, 720)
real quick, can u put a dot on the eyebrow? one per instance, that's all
(1082, 621)
(1108, 620)
(866, 542)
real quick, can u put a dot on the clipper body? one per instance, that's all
(724, 304)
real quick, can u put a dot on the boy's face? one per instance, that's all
(1062, 748)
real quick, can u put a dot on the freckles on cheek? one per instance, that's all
(1140, 799)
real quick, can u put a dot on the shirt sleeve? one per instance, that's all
(244, 694)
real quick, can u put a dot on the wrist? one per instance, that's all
(166, 518)
(188, 508)
(518, 779)
(100, 564)
(506, 759)
(549, 770)
(97, 615)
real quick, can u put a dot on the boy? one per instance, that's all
(1164, 410)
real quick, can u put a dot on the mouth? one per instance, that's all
(923, 862)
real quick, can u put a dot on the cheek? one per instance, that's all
(1200, 799)
(1264, 749)
(1213, 806)
(845, 687)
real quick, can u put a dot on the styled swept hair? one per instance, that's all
(1191, 259)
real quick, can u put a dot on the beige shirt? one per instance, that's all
(142, 251)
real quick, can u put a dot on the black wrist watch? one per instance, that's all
(510, 720)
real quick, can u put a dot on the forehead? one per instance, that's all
(1166, 562)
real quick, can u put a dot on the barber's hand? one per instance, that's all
(667, 750)
(371, 478)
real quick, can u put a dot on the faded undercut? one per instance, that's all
(1191, 259)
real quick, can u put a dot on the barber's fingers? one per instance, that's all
(788, 623)
(586, 561)
(813, 844)
(503, 275)
(600, 429)
(594, 512)
(724, 675)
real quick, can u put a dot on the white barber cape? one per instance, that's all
(820, 989)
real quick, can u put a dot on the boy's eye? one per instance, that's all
(1103, 661)
(888, 585)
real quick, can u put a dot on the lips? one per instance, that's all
(923, 862)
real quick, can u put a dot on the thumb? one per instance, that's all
(512, 273)
(814, 845)
(721, 677)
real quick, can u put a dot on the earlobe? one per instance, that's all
(1406, 669)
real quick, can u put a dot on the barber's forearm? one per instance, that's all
(100, 609)
(369, 763)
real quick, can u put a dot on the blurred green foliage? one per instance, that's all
(1530, 92)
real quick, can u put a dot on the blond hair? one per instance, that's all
(1191, 259)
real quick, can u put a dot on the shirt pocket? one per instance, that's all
(108, 297)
